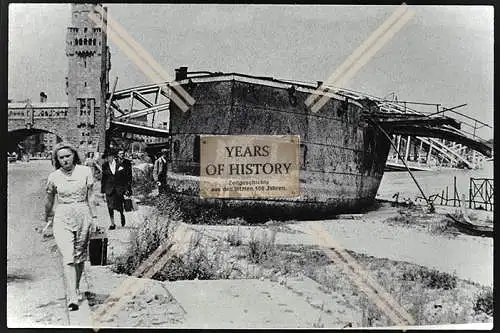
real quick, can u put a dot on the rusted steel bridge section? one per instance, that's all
(425, 140)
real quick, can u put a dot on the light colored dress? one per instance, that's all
(72, 217)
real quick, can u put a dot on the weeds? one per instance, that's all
(370, 313)
(198, 263)
(233, 237)
(260, 250)
(484, 302)
(154, 232)
(431, 278)
(405, 216)
(318, 323)
(186, 210)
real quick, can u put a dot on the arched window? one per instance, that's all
(93, 42)
(85, 41)
(76, 41)
(80, 42)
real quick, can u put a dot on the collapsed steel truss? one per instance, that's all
(134, 110)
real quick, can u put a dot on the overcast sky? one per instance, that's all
(442, 55)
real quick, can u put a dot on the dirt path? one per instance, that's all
(35, 293)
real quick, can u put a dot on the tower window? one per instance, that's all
(85, 83)
(76, 41)
(84, 29)
(80, 42)
(85, 41)
(85, 63)
(93, 41)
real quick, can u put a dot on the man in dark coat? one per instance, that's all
(115, 183)
(160, 171)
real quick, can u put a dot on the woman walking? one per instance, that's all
(70, 200)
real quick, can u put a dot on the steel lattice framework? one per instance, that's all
(136, 109)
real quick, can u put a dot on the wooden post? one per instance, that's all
(455, 194)
(442, 196)
(470, 192)
(485, 194)
(446, 195)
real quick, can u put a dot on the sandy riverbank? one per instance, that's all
(435, 274)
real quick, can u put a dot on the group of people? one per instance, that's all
(71, 206)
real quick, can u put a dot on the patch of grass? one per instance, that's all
(431, 278)
(318, 323)
(234, 221)
(187, 210)
(233, 237)
(405, 216)
(370, 313)
(197, 263)
(483, 302)
(155, 231)
(261, 248)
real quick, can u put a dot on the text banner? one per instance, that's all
(250, 166)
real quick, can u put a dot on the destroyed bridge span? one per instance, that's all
(429, 140)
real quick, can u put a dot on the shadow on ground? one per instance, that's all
(19, 278)
(95, 299)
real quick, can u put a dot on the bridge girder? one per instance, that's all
(155, 98)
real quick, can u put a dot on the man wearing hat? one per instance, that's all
(160, 171)
(116, 182)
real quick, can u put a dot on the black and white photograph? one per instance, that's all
(249, 166)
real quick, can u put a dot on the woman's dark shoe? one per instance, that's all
(123, 221)
(112, 227)
(72, 306)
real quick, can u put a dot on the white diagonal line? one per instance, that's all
(362, 54)
(357, 274)
(130, 287)
(348, 62)
(142, 52)
(146, 69)
(145, 66)
(358, 281)
(366, 57)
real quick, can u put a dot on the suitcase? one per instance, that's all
(128, 205)
(98, 248)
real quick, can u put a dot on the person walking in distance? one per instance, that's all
(160, 171)
(115, 183)
(70, 200)
(93, 164)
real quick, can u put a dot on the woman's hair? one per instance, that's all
(64, 145)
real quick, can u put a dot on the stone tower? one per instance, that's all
(87, 83)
